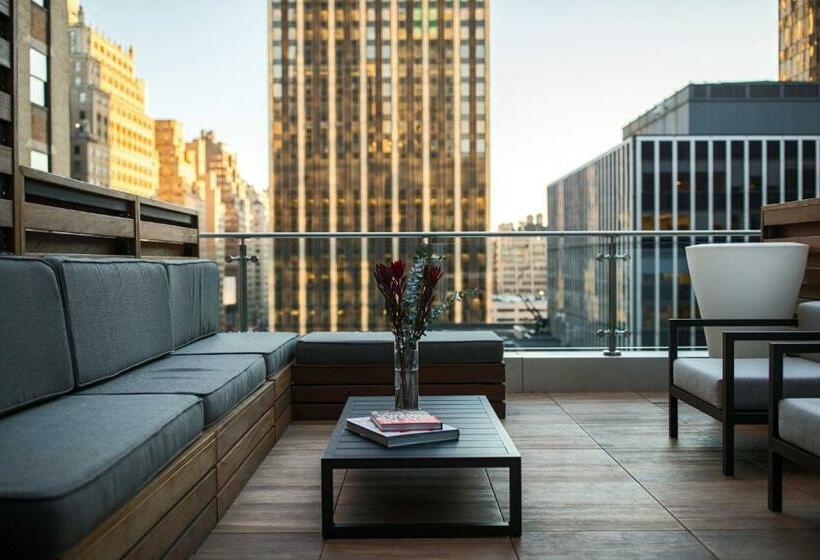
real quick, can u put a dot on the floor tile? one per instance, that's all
(603, 545)
(250, 546)
(791, 544)
(414, 549)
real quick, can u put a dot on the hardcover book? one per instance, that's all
(405, 420)
(367, 429)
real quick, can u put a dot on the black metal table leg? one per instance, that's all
(327, 500)
(515, 499)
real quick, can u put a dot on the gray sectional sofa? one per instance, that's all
(109, 369)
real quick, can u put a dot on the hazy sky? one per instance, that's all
(565, 76)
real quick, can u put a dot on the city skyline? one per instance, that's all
(540, 132)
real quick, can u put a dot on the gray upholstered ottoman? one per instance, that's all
(331, 366)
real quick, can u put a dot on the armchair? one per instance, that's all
(734, 390)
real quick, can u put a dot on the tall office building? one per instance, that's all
(100, 64)
(378, 122)
(33, 99)
(520, 274)
(706, 158)
(799, 41)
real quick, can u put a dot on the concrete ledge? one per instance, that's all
(566, 371)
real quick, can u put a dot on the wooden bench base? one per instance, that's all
(175, 512)
(320, 391)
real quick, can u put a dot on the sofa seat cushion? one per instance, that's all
(119, 314)
(221, 382)
(703, 377)
(277, 348)
(70, 463)
(436, 347)
(800, 423)
(35, 361)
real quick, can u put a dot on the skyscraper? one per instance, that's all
(797, 27)
(33, 100)
(378, 122)
(121, 124)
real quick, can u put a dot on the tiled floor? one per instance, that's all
(601, 480)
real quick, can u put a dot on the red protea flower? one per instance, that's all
(391, 280)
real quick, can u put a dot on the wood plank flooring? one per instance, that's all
(601, 480)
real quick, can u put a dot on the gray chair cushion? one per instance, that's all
(436, 347)
(118, 313)
(70, 463)
(35, 360)
(194, 288)
(277, 348)
(800, 423)
(703, 377)
(221, 382)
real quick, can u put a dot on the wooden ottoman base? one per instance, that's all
(320, 391)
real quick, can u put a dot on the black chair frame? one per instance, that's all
(778, 448)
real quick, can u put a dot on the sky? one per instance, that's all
(565, 77)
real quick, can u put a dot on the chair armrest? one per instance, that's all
(777, 351)
(675, 324)
(729, 339)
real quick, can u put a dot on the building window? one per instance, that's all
(39, 160)
(38, 64)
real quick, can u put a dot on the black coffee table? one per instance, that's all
(484, 443)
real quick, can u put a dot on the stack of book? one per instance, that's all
(397, 428)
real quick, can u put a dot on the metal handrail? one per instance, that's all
(611, 257)
(476, 234)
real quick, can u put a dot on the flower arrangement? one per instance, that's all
(409, 297)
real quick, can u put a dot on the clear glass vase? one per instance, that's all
(406, 375)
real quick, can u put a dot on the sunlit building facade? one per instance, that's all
(675, 171)
(520, 274)
(798, 39)
(133, 164)
(378, 122)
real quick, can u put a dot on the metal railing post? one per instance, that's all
(242, 280)
(611, 332)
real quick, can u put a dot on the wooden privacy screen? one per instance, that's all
(797, 221)
(53, 214)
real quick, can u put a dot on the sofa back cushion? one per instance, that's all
(35, 360)
(194, 288)
(808, 319)
(118, 312)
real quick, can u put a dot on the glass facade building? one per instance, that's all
(656, 182)
(379, 122)
(798, 40)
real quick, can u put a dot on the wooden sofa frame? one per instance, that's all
(174, 513)
(780, 449)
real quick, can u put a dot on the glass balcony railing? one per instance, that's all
(540, 290)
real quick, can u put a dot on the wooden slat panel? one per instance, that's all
(312, 374)
(283, 421)
(791, 212)
(283, 379)
(283, 401)
(53, 218)
(231, 428)
(44, 243)
(166, 532)
(228, 465)
(125, 528)
(6, 213)
(340, 393)
(195, 535)
(230, 490)
(331, 411)
(151, 249)
(813, 242)
(154, 231)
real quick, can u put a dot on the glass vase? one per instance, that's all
(406, 375)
